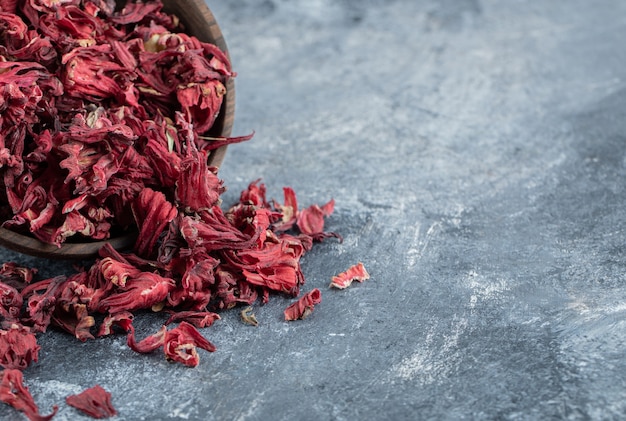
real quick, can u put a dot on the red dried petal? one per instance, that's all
(310, 221)
(117, 272)
(18, 347)
(149, 343)
(152, 213)
(213, 231)
(201, 102)
(95, 402)
(198, 319)
(74, 319)
(304, 306)
(288, 211)
(10, 303)
(181, 343)
(353, 273)
(122, 319)
(198, 188)
(14, 393)
(141, 292)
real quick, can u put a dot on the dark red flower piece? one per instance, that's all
(75, 319)
(10, 303)
(13, 392)
(140, 292)
(122, 319)
(213, 231)
(198, 187)
(18, 347)
(288, 211)
(95, 402)
(310, 221)
(40, 306)
(198, 319)
(147, 344)
(16, 276)
(181, 343)
(117, 272)
(304, 306)
(152, 213)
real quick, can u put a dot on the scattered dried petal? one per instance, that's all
(13, 392)
(95, 402)
(302, 308)
(354, 273)
(181, 342)
(149, 343)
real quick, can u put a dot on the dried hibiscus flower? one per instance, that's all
(101, 105)
(302, 308)
(18, 347)
(95, 402)
(13, 392)
(354, 273)
(181, 343)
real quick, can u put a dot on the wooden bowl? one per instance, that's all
(198, 21)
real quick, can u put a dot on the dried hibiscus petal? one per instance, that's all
(310, 221)
(18, 347)
(10, 303)
(13, 392)
(122, 319)
(95, 402)
(354, 273)
(152, 214)
(198, 319)
(181, 343)
(149, 343)
(304, 306)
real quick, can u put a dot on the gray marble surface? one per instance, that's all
(476, 152)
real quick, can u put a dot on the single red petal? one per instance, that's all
(118, 272)
(198, 319)
(149, 343)
(354, 273)
(141, 292)
(181, 343)
(152, 213)
(74, 319)
(13, 392)
(288, 211)
(95, 402)
(18, 347)
(122, 319)
(310, 221)
(304, 306)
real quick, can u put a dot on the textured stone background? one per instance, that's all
(476, 153)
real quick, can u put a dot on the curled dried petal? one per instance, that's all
(181, 343)
(310, 221)
(304, 306)
(353, 273)
(122, 319)
(152, 213)
(149, 343)
(18, 347)
(198, 319)
(13, 392)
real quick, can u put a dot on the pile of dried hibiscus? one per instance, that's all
(104, 113)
